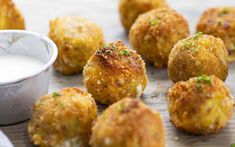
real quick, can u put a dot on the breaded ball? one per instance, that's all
(154, 34)
(202, 105)
(197, 55)
(130, 9)
(63, 118)
(220, 22)
(115, 72)
(10, 16)
(128, 123)
(77, 39)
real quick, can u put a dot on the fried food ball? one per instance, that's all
(197, 55)
(220, 22)
(130, 9)
(128, 123)
(63, 118)
(115, 72)
(202, 105)
(154, 34)
(10, 16)
(77, 39)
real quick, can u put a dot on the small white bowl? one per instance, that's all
(18, 96)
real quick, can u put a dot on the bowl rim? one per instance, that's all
(44, 67)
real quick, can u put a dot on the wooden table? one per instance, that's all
(105, 13)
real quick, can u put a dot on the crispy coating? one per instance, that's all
(197, 55)
(220, 22)
(202, 105)
(128, 123)
(77, 39)
(63, 118)
(114, 72)
(10, 16)
(130, 9)
(154, 34)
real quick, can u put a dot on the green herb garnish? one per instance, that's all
(124, 52)
(204, 79)
(187, 44)
(219, 22)
(121, 107)
(223, 12)
(55, 94)
(233, 46)
(154, 22)
(233, 145)
(197, 35)
(104, 45)
(61, 104)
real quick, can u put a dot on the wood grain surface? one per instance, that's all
(105, 13)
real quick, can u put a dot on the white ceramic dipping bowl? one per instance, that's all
(18, 96)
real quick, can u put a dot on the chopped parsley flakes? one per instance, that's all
(154, 22)
(197, 35)
(121, 107)
(188, 44)
(104, 45)
(55, 94)
(204, 79)
(124, 52)
(219, 22)
(223, 12)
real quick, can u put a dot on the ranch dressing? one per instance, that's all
(13, 67)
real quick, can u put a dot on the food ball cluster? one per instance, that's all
(154, 34)
(115, 72)
(128, 123)
(220, 22)
(63, 118)
(10, 16)
(197, 55)
(131, 9)
(202, 105)
(77, 39)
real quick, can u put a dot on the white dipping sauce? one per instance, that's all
(13, 67)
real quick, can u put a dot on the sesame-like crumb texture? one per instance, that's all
(10, 16)
(202, 105)
(114, 72)
(63, 118)
(220, 22)
(154, 34)
(77, 39)
(128, 123)
(130, 9)
(197, 55)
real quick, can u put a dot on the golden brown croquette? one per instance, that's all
(197, 55)
(114, 72)
(130, 9)
(10, 16)
(128, 123)
(202, 105)
(63, 118)
(77, 39)
(154, 34)
(220, 22)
